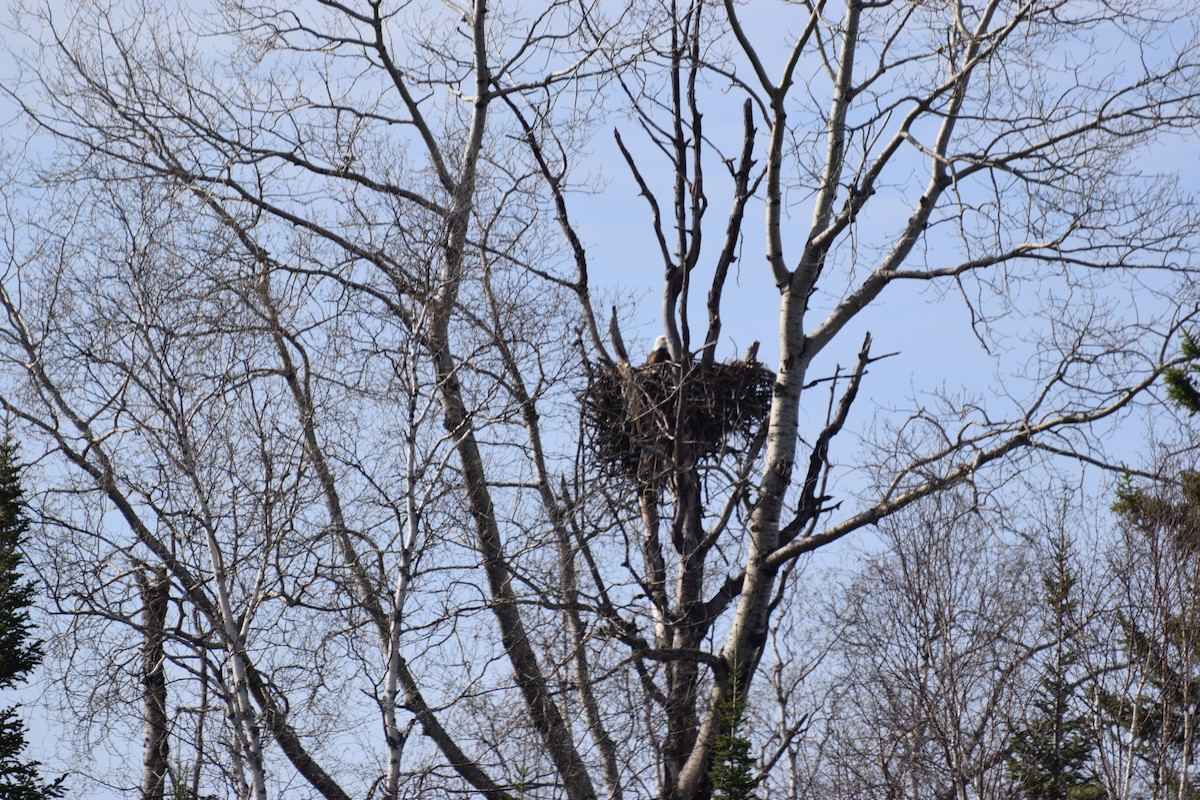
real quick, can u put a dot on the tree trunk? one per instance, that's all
(155, 589)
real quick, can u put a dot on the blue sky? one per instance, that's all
(929, 327)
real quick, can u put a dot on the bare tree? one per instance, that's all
(299, 292)
(935, 661)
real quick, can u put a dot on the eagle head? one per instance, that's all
(661, 352)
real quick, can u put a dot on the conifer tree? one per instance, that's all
(1166, 515)
(1051, 757)
(1162, 717)
(19, 652)
(1180, 385)
(732, 771)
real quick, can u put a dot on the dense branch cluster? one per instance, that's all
(340, 491)
(634, 414)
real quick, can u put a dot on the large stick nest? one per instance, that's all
(642, 418)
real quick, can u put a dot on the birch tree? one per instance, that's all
(301, 303)
(936, 660)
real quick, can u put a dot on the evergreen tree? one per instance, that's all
(732, 771)
(1051, 758)
(19, 653)
(1180, 386)
(1162, 718)
(1166, 516)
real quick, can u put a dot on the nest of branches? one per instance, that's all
(641, 418)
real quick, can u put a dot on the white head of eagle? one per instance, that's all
(661, 352)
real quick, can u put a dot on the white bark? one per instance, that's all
(338, 323)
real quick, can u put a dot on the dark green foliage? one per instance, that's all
(19, 654)
(1167, 517)
(1177, 513)
(1051, 758)
(1180, 386)
(732, 771)
(1160, 709)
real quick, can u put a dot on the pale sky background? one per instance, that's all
(928, 327)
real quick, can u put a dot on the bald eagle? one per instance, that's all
(661, 353)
